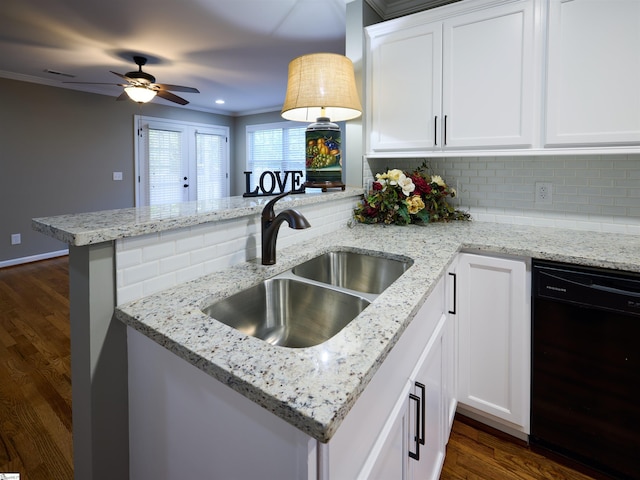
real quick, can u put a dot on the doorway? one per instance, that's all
(180, 161)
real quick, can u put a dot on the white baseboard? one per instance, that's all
(33, 258)
(499, 424)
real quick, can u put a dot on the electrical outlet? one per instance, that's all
(16, 239)
(544, 192)
(117, 175)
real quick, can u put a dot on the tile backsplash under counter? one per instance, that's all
(590, 192)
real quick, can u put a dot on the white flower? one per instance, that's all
(406, 184)
(394, 175)
(438, 179)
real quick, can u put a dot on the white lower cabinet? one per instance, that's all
(427, 412)
(450, 346)
(185, 424)
(494, 335)
(468, 346)
(411, 444)
(389, 456)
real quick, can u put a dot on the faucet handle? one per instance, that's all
(268, 213)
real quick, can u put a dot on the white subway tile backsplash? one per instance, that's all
(158, 283)
(140, 273)
(597, 191)
(175, 263)
(184, 275)
(190, 243)
(151, 263)
(130, 292)
(133, 242)
(128, 258)
(201, 255)
(159, 250)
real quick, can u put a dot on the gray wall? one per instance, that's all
(58, 151)
(359, 16)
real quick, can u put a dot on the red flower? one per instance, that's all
(377, 186)
(422, 187)
(370, 211)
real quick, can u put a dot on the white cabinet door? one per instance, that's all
(427, 411)
(404, 83)
(593, 72)
(366, 444)
(463, 82)
(488, 77)
(450, 350)
(494, 337)
(389, 457)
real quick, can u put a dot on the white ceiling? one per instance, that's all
(237, 50)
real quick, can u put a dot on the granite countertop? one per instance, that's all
(107, 225)
(314, 388)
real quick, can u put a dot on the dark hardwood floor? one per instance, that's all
(477, 452)
(35, 392)
(35, 375)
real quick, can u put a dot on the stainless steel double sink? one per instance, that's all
(311, 302)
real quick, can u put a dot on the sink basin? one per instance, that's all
(356, 271)
(289, 313)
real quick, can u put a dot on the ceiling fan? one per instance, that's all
(141, 86)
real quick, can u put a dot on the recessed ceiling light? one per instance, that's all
(220, 101)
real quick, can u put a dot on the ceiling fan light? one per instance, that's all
(140, 94)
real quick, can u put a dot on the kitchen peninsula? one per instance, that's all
(120, 255)
(312, 389)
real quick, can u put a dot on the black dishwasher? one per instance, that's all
(585, 391)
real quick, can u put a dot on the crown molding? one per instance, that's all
(388, 9)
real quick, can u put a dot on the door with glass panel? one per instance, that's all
(180, 162)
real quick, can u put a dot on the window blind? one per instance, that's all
(211, 175)
(165, 166)
(275, 147)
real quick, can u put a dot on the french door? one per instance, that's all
(180, 162)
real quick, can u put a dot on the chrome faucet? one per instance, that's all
(271, 225)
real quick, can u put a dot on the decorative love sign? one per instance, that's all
(272, 183)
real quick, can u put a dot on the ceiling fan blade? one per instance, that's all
(177, 88)
(124, 77)
(171, 97)
(94, 83)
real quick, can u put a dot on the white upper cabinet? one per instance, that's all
(488, 78)
(460, 81)
(593, 90)
(405, 83)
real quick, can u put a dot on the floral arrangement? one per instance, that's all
(399, 198)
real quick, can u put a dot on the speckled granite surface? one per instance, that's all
(97, 227)
(314, 388)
